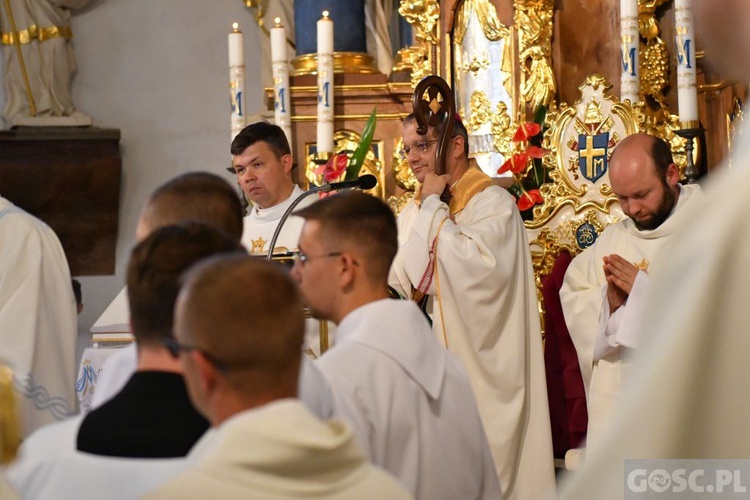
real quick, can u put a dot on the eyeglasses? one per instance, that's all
(419, 146)
(175, 348)
(303, 258)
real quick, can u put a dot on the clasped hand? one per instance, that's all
(620, 275)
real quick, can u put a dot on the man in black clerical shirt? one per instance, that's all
(152, 416)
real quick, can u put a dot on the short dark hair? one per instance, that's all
(661, 153)
(245, 313)
(273, 135)
(458, 129)
(362, 221)
(197, 196)
(154, 270)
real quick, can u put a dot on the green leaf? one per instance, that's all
(358, 157)
(515, 190)
(540, 114)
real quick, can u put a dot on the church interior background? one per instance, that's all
(156, 72)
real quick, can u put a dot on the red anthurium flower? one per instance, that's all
(526, 131)
(335, 167)
(535, 151)
(516, 164)
(529, 199)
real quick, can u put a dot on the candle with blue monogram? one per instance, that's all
(281, 98)
(687, 91)
(629, 84)
(325, 84)
(236, 80)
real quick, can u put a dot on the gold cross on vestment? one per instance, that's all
(589, 154)
(257, 245)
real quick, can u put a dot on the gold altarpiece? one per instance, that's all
(503, 59)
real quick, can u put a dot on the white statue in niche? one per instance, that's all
(39, 62)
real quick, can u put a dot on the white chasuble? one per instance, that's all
(484, 309)
(583, 297)
(38, 326)
(261, 223)
(687, 392)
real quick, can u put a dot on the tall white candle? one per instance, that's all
(281, 97)
(687, 91)
(236, 81)
(325, 84)
(629, 84)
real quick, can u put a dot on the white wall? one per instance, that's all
(158, 71)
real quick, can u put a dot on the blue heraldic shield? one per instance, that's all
(592, 155)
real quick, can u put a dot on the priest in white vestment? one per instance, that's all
(687, 396)
(603, 293)
(241, 360)
(472, 260)
(263, 163)
(410, 400)
(38, 324)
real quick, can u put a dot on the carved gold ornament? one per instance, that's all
(579, 140)
(533, 19)
(654, 57)
(502, 130)
(424, 16)
(480, 110)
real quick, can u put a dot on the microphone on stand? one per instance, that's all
(367, 181)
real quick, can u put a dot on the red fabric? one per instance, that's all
(567, 398)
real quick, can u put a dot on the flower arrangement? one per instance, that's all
(347, 162)
(525, 163)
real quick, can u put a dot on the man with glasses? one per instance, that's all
(241, 360)
(409, 400)
(468, 262)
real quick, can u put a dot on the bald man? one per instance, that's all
(604, 286)
(690, 398)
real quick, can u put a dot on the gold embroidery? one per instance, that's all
(257, 245)
(437, 283)
(471, 183)
(35, 33)
(642, 265)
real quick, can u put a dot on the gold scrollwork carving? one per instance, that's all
(502, 131)
(533, 18)
(565, 127)
(480, 110)
(404, 179)
(424, 16)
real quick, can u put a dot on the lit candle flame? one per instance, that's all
(277, 21)
(235, 26)
(325, 13)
